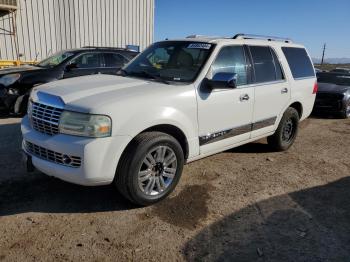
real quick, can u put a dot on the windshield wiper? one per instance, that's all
(147, 75)
(155, 77)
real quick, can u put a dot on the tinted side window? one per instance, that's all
(89, 60)
(299, 62)
(231, 59)
(114, 60)
(263, 63)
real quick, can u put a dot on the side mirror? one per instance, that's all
(223, 80)
(71, 66)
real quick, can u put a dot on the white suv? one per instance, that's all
(176, 102)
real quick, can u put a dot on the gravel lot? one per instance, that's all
(246, 204)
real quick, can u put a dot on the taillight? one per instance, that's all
(315, 88)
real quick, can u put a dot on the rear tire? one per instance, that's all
(150, 168)
(286, 132)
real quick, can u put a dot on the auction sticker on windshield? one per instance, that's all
(199, 45)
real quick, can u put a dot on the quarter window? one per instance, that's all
(231, 59)
(299, 62)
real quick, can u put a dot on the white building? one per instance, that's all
(39, 28)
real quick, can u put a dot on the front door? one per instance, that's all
(225, 115)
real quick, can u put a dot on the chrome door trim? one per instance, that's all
(224, 134)
(264, 123)
(236, 131)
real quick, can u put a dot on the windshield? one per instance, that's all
(55, 59)
(179, 61)
(338, 79)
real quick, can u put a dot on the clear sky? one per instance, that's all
(309, 22)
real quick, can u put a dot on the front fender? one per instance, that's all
(140, 121)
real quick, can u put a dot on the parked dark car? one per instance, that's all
(16, 82)
(333, 95)
(341, 70)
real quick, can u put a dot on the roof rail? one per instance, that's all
(108, 47)
(262, 37)
(203, 36)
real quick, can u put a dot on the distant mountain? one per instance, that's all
(332, 60)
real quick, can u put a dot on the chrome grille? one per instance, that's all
(45, 118)
(52, 156)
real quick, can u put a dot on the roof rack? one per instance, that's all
(262, 37)
(203, 36)
(108, 47)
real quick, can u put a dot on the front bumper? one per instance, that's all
(99, 156)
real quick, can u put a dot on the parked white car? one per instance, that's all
(176, 102)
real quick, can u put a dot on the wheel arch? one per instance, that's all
(173, 131)
(299, 107)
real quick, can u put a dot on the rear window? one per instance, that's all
(114, 60)
(264, 65)
(299, 62)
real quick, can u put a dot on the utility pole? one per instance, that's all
(324, 49)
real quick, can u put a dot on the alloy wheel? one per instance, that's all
(157, 170)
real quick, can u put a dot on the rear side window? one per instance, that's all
(264, 64)
(231, 59)
(114, 60)
(299, 62)
(88, 60)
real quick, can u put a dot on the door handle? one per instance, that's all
(244, 97)
(284, 91)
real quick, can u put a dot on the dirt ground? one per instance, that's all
(246, 204)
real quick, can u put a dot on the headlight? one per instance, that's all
(7, 80)
(79, 124)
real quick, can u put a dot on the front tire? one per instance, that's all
(286, 132)
(21, 105)
(150, 168)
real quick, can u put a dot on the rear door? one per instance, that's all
(225, 115)
(84, 64)
(272, 90)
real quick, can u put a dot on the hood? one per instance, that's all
(92, 92)
(18, 69)
(332, 88)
